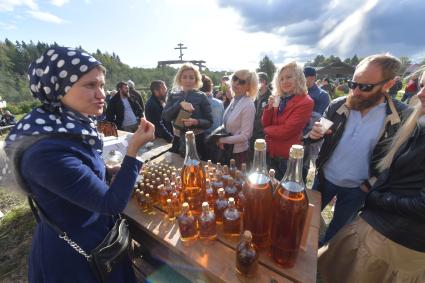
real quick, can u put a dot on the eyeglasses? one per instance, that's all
(240, 81)
(364, 87)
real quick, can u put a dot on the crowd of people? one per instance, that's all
(372, 158)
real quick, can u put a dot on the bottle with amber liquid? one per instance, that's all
(232, 168)
(290, 205)
(225, 175)
(231, 190)
(175, 201)
(246, 256)
(209, 193)
(170, 210)
(193, 176)
(187, 224)
(207, 226)
(258, 198)
(239, 181)
(217, 183)
(232, 220)
(244, 171)
(163, 196)
(220, 206)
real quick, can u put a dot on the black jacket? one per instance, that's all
(395, 207)
(338, 113)
(260, 104)
(115, 110)
(137, 97)
(199, 101)
(153, 112)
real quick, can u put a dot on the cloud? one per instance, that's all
(46, 17)
(338, 27)
(58, 3)
(7, 26)
(9, 5)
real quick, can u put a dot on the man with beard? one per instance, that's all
(154, 108)
(123, 110)
(363, 122)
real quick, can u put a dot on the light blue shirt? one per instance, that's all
(129, 117)
(217, 111)
(349, 164)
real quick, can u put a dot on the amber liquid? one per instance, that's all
(207, 227)
(219, 208)
(187, 227)
(257, 208)
(246, 259)
(193, 182)
(290, 205)
(232, 224)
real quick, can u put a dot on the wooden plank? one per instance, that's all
(213, 261)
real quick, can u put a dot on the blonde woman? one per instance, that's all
(186, 95)
(287, 113)
(387, 242)
(238, 119)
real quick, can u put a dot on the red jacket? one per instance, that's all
(285, 129)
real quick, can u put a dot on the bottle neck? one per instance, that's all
(191, 152)
(259, 164)
(294, 171)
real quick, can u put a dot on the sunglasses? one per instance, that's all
(364, 87)
(240, 81)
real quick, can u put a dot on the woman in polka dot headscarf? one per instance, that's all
(56, 151)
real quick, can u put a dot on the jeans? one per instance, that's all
(348, 203)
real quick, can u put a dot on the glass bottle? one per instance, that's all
(231, 220)
(289, 211)
(114, 158)
(193, 176)
(232, 168)
(187, 224)
(163, 196)
(141, 198)
(210, 165)
(170, 210)
(209, 193)
(149, 203)
(275, 183)
(175, 201)
(230, 190)
(207, 226)
(244, 171)
(246, 256)
(220, 206)
(168, 187)
(217, 183)
(258, 198)
(225, 175)
(239, 181)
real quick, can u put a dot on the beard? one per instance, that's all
(360, 103)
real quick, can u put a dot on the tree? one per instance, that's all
(267, 66)
(405, 63)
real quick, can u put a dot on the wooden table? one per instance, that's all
(215, 262)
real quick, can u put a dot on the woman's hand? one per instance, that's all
(187, 106)
(190, 122)
(145, 133)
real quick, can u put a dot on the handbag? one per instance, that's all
(103, 258)
(183, 114)
(223, 155)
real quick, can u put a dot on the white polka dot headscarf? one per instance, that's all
(50, 78)
(53, 74)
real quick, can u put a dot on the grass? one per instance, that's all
(16, 229)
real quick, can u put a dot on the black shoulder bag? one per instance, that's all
(102, 259)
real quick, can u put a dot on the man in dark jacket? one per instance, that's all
(398, 85)
(363, 122)
(123, 110)
(153, 111)
(135, 94)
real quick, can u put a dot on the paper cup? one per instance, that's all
(326, 124)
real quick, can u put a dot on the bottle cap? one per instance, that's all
(247, 235)
(232, 161)
(147, 195)
(185, 205)
(168, 201)
(260, 144)
(189, 135)
(296, 151)
(272, 172)
(220, 191)
(205, 205)
(231, 200)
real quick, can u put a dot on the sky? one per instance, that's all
(227, 34)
